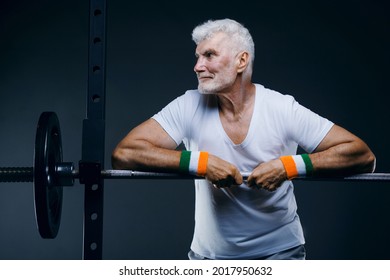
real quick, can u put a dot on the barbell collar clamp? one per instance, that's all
(64, 174)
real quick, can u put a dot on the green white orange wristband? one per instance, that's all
(194, 163)
(297, 166)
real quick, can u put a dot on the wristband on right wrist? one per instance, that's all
(194, 163)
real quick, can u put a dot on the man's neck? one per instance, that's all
(235, 104)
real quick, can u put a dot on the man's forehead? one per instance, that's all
(217, 41)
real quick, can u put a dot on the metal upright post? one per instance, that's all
(93, 142)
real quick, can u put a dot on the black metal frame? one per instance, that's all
(93, 142)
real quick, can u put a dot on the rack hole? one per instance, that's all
(96, 69)
(96, 98)
(97, 40)
(93, 246)
(97, 12)
(94, 216)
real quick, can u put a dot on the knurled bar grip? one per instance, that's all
(26, 174)
(16, 174)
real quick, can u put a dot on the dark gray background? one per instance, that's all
(333, 56)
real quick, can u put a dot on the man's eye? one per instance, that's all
(209, 54)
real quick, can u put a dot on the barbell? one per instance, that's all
(50, 174)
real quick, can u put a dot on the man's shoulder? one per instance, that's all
(193, 96)
(192, 92)
(271, 95)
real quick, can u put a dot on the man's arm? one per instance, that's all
(146, 147)
(339, 153)
(149, 147)
(342, 153)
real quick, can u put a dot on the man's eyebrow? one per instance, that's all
(206, 51)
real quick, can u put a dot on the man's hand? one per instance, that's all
(268, 175)
(221, 173)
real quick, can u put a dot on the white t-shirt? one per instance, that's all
(239, 222)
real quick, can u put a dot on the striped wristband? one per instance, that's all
(194, 163)
(297, 166)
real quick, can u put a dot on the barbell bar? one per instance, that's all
(25, 174)
(50, 174)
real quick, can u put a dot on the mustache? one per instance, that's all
(203, 75)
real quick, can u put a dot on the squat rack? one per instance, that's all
(93, 133)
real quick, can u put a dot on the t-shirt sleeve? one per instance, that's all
(305, 127)
(173, 117)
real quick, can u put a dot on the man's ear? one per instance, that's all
(242, 61)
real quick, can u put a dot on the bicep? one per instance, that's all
(149, 132)
(336, 136)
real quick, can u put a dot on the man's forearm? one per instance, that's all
(145, 157)
(345, 158)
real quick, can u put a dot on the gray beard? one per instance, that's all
(204, 91)
(212, 89)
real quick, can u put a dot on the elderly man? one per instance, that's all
(230, 125)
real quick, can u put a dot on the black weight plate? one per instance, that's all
(47, 193)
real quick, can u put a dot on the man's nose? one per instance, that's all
(199, 65)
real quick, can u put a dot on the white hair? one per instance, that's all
(239, 34)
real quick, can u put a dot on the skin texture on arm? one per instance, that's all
(342, 153)
(339, 153)
(146, 147)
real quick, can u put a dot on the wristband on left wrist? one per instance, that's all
(297, 166)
